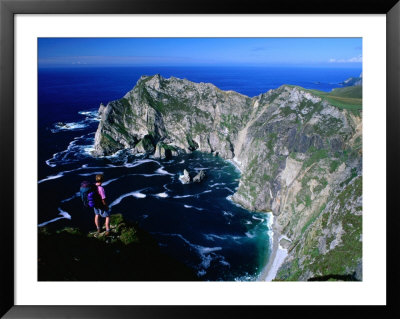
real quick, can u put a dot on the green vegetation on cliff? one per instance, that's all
(331, 246)
(300, 152)
(349, 98)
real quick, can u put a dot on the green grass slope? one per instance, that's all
(349, 98)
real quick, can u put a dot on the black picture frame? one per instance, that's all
(8, 10)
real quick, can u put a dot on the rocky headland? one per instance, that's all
(299, 151)
(353, 81)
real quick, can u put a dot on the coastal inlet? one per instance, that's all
(196, 224)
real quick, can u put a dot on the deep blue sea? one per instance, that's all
(196, 224)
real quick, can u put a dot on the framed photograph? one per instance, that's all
(167, 159)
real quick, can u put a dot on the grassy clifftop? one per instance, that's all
(347, 98)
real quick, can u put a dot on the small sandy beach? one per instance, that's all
(276, 258)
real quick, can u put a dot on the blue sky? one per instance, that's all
(317, 52)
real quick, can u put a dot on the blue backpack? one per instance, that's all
(90, 195)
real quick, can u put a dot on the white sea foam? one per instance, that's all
(80, 147)
(250, 235)
(183, 196)
(194, 195)
(229, 198)
(227, 213)
(207, 254)
(63, 214)
(72, 126)
(227, 188)
(164, 172)
(212, 237)
(139, 162)
(162, 195)
(201, 273)
(51, 177)
(136, 194)
(246, 277)
(70, 198)
(50, 164)
(270, 222)
(88, 150)
(92, 173)
(91, 115)
(224, 262)
(217, 184)
(112, 156)
(256, 218)
(166, 188)
(109, 181)
(236, 163)
(61, 174)
(188, 206)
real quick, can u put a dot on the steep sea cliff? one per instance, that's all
(299, 152)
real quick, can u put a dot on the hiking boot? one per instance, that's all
(107, 233)
(98, 231)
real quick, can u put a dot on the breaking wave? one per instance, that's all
(162, 195)
(189, 206)
(90, 117)
(136, 194)
(77, 150)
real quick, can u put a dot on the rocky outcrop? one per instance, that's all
(300, 157)
(353, 81)
(185, 178)
(199, 177)
(181, 114)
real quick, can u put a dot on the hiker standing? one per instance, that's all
(101, 207)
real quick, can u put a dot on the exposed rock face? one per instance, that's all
(199, 177)
(353, 81)
(190, 116)
(300, 157)
(185, 178)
